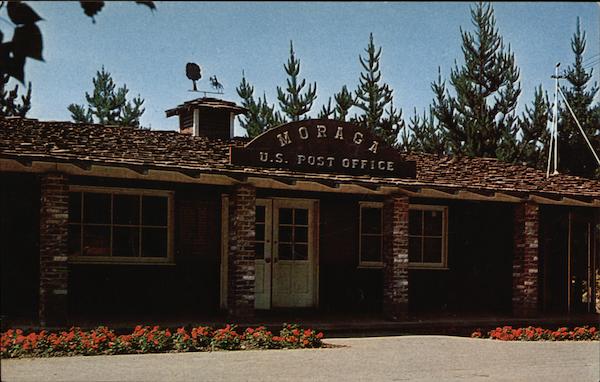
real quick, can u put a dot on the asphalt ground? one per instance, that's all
(404, 358)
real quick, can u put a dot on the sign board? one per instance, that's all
(323, 145)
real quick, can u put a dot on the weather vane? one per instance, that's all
(194, 73)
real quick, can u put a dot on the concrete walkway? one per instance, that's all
(407, 358)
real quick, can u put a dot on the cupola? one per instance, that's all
(207, 117)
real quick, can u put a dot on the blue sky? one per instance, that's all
(148, 50)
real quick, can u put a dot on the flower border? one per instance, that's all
(146, 339)
(530, 333)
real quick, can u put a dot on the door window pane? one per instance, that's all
(96, 208)
(126, 209)
(260, 214)
(285, 251)
(301, 217)
(285, 234)
(259, 232)
(300, 252)
(259, 250)
(301, 234)
(285, 216)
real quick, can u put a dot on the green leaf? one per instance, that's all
(91, 8)
(14, 67)
(149, 4)
(21, 13)
(27, 42)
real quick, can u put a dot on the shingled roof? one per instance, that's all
(31, 140)
(206, 102)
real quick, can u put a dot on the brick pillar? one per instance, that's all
(241, 274)
(525, 261)
(395, 257)
(54, 219)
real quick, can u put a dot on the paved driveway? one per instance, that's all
(407, 358)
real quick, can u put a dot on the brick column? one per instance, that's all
(241, 273)
(525, 261)
(395, 257)
(54, 219)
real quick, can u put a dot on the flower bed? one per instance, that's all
(145, 339)
(508, 333)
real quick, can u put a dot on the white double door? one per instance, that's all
(285, 254)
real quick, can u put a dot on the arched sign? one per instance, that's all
(323, 145)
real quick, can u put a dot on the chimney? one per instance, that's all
(207, 117)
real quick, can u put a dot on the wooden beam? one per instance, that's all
(243, 178)
(369, 186)
(83, 165)
(24, 161)
(287, 181)
(328, 183)
(223, 178)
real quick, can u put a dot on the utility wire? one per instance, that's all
(591, 57)
(591, 64)
(578, 125)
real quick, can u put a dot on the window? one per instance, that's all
(427, 236)
(292, 234)
(371, 235)
(119, 225)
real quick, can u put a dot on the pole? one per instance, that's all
(553, 147)
(555, 119)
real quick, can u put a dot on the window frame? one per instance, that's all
(141, 192)
(443, 265)
(369, 264)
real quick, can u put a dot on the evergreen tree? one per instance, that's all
(372, 96)
(107, 105)
(9, 106)
(343, 102)
(426, 135)
(251, 120)
(574, 154)
(295, 102)
(260, 116)
(532, 147)
(480, 119)
(326, 111)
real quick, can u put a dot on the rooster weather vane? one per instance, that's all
(194, 73)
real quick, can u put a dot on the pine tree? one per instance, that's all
(480, 119)
(250, 121)
(260, 116)
(295, 102)
(107, 105)
(326, 111)
(532, 147)
(9, 106)
(426, 135)
(372, 97)
(343, 102)
(574, 154)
